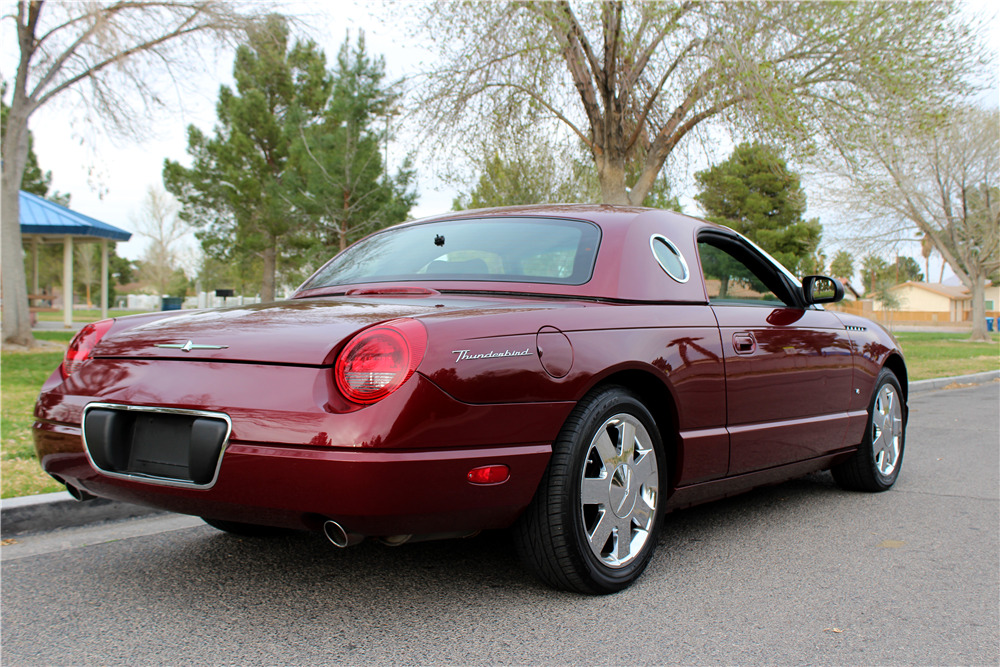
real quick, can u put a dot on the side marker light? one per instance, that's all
(495, 474)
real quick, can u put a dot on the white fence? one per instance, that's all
(203, 300)
(209, 300)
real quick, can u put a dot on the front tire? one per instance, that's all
(875, 466)
(594, 521)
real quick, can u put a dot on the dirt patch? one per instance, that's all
(960, 385)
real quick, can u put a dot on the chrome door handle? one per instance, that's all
(744, 343)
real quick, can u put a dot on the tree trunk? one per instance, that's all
(342, 225)
(16, 316)
(979, 332)
(611, 175)
(270, 270)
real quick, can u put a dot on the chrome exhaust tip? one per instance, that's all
(339, 536)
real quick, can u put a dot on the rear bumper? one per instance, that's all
(297, 455)
(370, 492)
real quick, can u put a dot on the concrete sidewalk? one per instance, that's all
(52, 511)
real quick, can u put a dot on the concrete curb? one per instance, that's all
(921, 386)
(52, 511)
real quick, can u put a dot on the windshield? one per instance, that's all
(533, 250)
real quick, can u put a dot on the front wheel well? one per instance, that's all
(895, 364)
(656, 396)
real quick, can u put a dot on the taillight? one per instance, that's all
(377, 361)
(82, 345)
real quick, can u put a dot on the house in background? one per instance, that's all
(934, 302)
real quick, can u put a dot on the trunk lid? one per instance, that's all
(300, 332)
(296, 332)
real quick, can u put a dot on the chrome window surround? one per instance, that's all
(673, 248)
(778, 265)
(162, 481)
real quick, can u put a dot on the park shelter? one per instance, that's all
(43, 221)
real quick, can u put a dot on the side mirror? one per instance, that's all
(822, 289)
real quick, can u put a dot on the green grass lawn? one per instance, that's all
(935, 355)
(21, 377)
(928, 355)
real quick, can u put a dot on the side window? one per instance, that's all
(736, 275)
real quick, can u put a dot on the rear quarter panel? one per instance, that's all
(676, 347)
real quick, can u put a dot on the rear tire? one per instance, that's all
(594, 521)
(875, 466)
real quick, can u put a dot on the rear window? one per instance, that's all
(529, 250)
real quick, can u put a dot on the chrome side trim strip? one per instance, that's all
(151, 479)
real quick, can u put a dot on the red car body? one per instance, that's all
(743, 394)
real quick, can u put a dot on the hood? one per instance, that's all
(301, 332)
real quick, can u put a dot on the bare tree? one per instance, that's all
(633, 79)
(110, 53)
(158, 221)
(941, 180)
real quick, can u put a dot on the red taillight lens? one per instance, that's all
(377, 361)
(82, 345)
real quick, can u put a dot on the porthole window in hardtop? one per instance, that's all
(669, 258)
(530, 250)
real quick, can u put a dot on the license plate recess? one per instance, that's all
(167, 446)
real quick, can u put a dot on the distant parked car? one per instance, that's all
(575, 372)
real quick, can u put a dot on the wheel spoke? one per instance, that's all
(626, 443)
(645, 467)
(594, 491)
(642, 514)
(602, 531)
(878, 437)
(606, 449)
(624, 540)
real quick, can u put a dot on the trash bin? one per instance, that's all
(172, 302)
(989, 324)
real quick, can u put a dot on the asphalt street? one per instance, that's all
(801, 573)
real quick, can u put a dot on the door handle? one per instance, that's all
(744, 343)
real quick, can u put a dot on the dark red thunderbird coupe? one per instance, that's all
(573, 372)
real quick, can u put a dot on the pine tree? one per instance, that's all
(234, 192)
(337, 173)
(756, 194)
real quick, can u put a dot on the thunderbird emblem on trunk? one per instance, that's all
(188, 346)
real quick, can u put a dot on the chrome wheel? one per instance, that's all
(619, 490)
(876, 463)
(886, 429)
(592, 526)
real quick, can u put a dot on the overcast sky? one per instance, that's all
(108, 178)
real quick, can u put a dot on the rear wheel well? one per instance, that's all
(658, 400)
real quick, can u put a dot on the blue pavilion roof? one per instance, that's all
(41, 216)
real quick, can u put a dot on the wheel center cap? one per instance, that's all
(620, 491)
